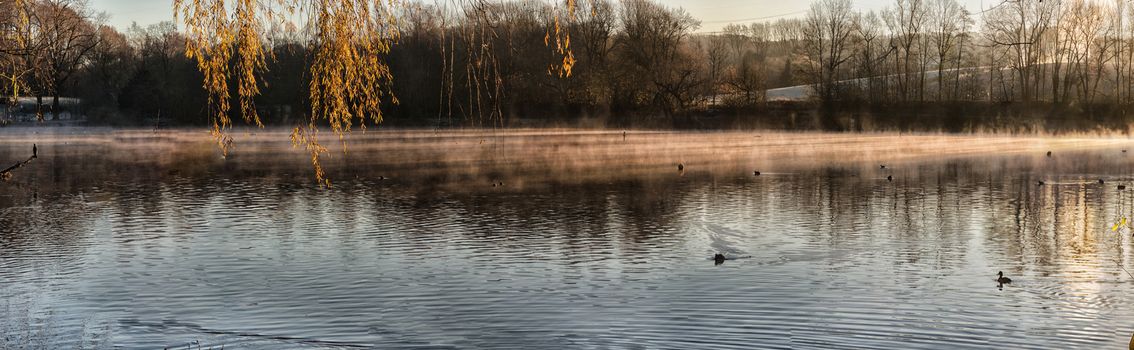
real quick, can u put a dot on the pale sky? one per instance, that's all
(713, 14)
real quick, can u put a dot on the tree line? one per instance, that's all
(499, 63)
(63, 48)
(1062, 52)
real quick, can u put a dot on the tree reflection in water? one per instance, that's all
(158, 237)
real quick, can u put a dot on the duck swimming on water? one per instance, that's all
(719, 258)
(1001, 279)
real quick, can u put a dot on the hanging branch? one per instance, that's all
(349, 75)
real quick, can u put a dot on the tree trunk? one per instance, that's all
(55, 106)
(39, 107)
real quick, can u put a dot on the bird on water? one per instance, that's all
(1001, 279)
(719, 258)
(34, 151)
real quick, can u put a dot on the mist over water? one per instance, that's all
(566, 239)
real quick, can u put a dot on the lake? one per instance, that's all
(569, 239)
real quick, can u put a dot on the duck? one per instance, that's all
(719, 258)
(890, 178)
(1049, 154)
(757, 173)
(1101, 181)
(680, 166)
(1040, 183)
(1001, 279)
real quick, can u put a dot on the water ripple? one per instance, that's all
(827, 258)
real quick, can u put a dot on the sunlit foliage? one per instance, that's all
(349, 77)
(562, 39)
(43, 44)
(349, 39)
(15, 46)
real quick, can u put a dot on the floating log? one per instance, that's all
(6, 174)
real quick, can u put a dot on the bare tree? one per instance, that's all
(788, 30)
(594, 33)
(716, 54)
(18, 47)
(827, 30)
(906, 21)
(871, 52)
(758, 36)
(66, 34)
(948, 22)
(1124, 51)
(651, 48)
(1019, 26)
(1089, 31)
(1118, 23)
(110, 65)
(1057, 47)
(748, 80)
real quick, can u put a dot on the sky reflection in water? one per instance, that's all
(143, 240)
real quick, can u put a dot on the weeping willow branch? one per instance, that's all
(211, 36)
(350, 79)
(349, 76)
(18, 54)
(482, 28)
(562, 18)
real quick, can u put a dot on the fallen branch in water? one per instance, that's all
(6, 174)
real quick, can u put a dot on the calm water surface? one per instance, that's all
(127, 244)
